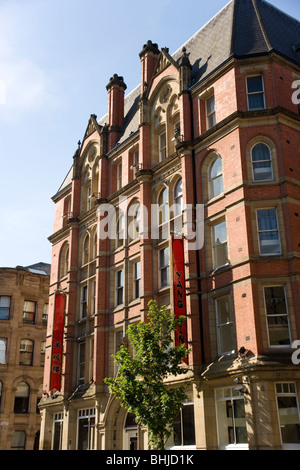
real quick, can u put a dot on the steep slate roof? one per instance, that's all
(243, 28)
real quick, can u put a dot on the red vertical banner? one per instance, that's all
(57, 341)
(179, 289)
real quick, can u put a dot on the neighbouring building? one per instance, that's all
(211, 137)
(24, 297)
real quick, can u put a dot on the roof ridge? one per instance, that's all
(261, 24)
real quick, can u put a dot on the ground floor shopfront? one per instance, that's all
(254, 405)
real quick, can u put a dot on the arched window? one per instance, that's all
(178, 197)
(22, 398)
(134, 221)
(261, 163)
(215, 178)
(95, 240)
(163, 216)
(26, 352)
(85, 250)
(163, 206)
(64, 261)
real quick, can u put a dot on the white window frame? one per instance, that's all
(271, 230)
(187, 446)
(93, 306)
(136, 280)
(57, 418)
(83, 301)
(119, 287)
(87, 413)
(253, 162)
(289, 393)
(280, 315)
(210, 115)
(162, 146)
(3, 350)
(211, 179)
(81, 363)
(214, 245)
(27, 313)
(221, 325)
(257, 92)
(163, 215)
(232, 397)
(119, 176)
(88, 197)
(8, 308)
(165, 267)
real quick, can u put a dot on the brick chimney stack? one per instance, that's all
(116, 90)
(149, 58)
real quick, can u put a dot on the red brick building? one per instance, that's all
(212, 126)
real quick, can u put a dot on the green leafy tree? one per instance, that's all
(140, 382)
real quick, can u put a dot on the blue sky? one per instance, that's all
(56, 58)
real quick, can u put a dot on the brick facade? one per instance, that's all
(247, 267)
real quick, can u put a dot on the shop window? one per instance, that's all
(288, 411)
(184, 427)
(86, 429)
(57, 431)
(231, 418)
